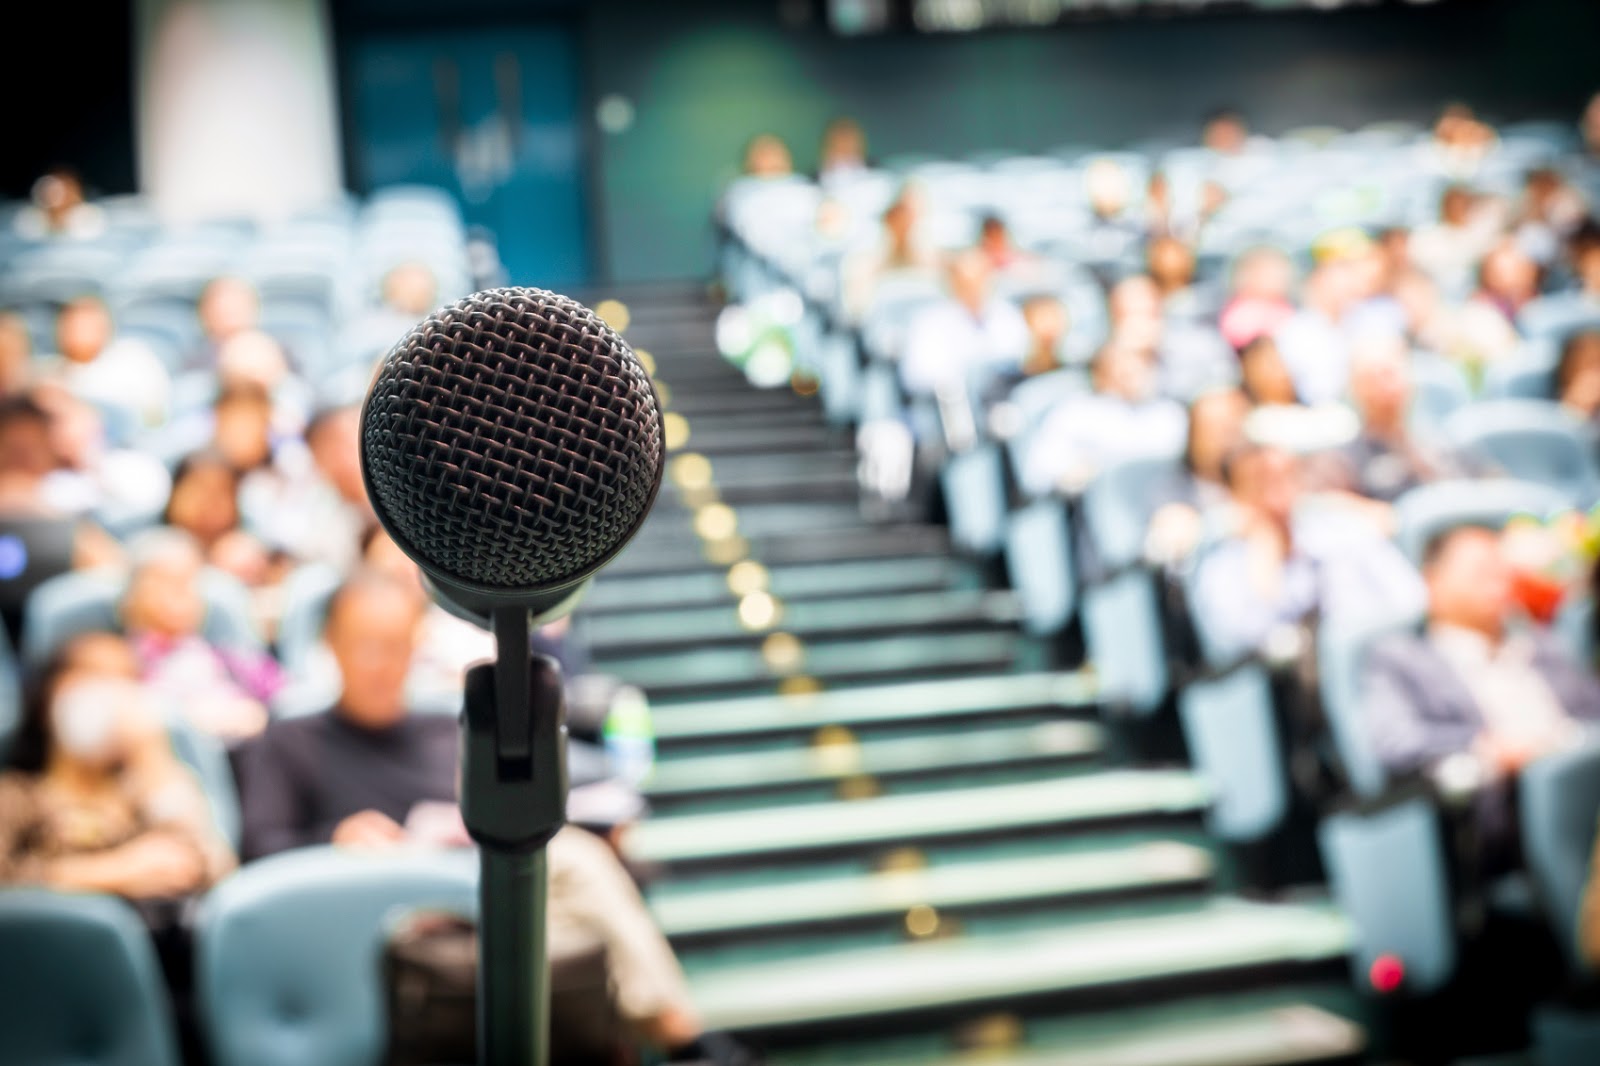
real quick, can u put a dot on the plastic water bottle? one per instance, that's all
(630, 738)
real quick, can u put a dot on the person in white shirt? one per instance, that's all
(1450, 249)
(1314, 342)
(971, 329)
(112, 373)
(1086, 432)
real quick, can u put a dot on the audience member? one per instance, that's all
(766, 156)
(1122, 417)
(95, 800)
(1263, 279)
(228, 307)
(843, 155)
(1550, 213)
(16, 354)
(1461, 141)
(367, 774)
(1577, 377)
(1386, 460)
(58, 209)
(311, 503)
(114, 374)
(1314, 341)
(1048, 326)
(43, 541)
(1473, 683)
(900, 251)
(972, 329)
(1216, 427)
(994, 241)
(1264, 377)
(1286, 557)
(1468, 226)
(1114, 229)
(92, 478)
(218, 690)
(241, 427)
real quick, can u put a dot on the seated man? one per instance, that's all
(1287, 556)
(972, 329)
(1121, 418)
(1471, 685)
(1386, 459)
(367, 774)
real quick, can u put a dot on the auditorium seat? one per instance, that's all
(1534, 440)
(287, 951)
(80, 984)
(1426, 511)
(87, 602)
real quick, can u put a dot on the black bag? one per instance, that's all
(430, 969)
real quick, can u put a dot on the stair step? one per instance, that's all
(991, 812)
(846, 545)
(912, 705)
(1280, 1027)
(756, 772)
(956, 887)
(702, 672)
(917, 612)
(672, 528)
(646, 592)
(1205, 943)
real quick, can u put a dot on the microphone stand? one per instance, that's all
(513, 800)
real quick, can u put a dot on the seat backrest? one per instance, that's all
(1342, 649)
(1560, 809)
(1534, 440)
(289, 950)
(86, 602)
(206, 756)
(306, 593)
(975, 498)
(79, 983)
(1039, 564)
(10, 695)
(1118, 504)
(1429, 510)
(1232, 736)
(1388, 873)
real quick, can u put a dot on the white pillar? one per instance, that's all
(237, 111)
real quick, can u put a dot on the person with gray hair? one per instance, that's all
(217, 690)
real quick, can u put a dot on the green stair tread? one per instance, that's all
(1218, 937)
(914, 702)
(808, 581)
(889, 611)
(956, 885)
(891, 819)
(857, 655)
(971, 749)
(1275, 1027)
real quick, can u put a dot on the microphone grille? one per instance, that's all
(512, 441)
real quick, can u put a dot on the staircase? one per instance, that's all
(886, 830)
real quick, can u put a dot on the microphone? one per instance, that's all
(511, 444)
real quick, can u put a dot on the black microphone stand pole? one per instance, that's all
(513, 799)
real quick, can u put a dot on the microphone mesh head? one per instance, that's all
(512, 441)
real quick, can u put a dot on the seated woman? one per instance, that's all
(94, 799)
(1216, 425)
(1577, 379)
(221, 691)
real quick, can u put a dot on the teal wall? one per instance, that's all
(705, 75)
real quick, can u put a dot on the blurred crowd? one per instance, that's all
(1303, 367)
(212, 653)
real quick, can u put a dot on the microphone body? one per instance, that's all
(512, 445)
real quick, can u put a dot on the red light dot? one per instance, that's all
(1386, 973)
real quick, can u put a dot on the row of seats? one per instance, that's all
(287, 955)
(1079, 559)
